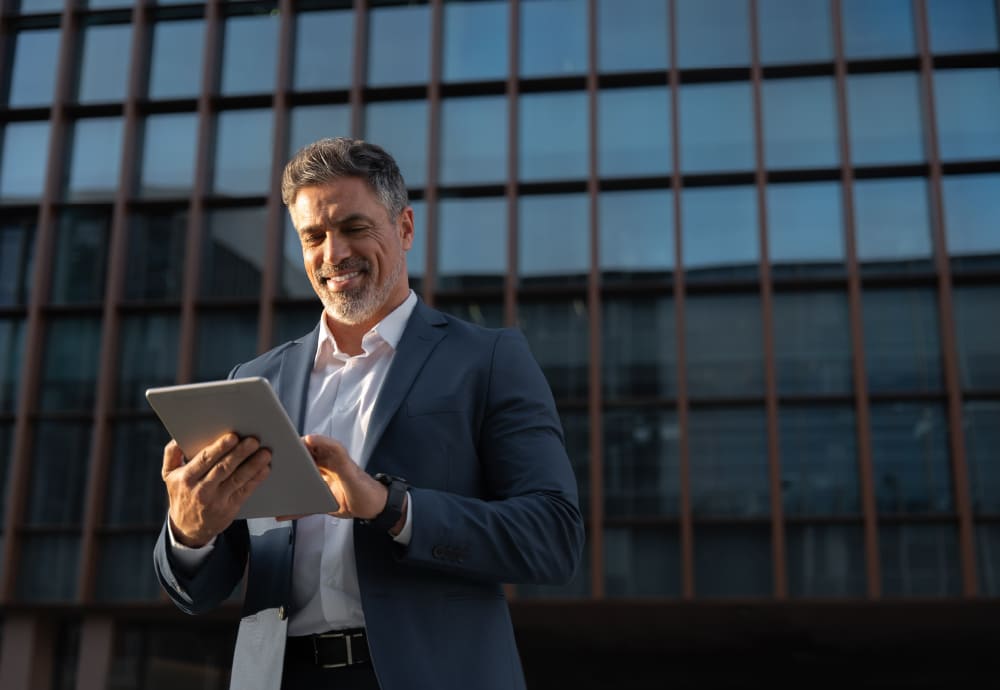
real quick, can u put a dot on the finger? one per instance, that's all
(248, 469)
(243, 492)
(172, 458)
(285, 518)
(326, 452)
(229, 463)
(209, 456)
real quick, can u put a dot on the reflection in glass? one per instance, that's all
(967, 101)
(472, 242)
(719, 236)
(155, 266)
(104, 63)
(988, 558)
(94, 159)
(400, 127)
(892, 225)
(58, 473)
(249, 54)
(716, 127)
(22, 172)
(311, 123)
(147, 356)
(553, 37)
(715, 546)
(49, 564)
(800, 123)
(175, 61)
(878, 29)
(728, 450)
(125, 570)
(884, 114)
(557, 333)
(135, 496)
(80, 256)
(324, 49)
(168, 152)
(978, 333)
(473, 140)
(819, 460)
(812, 343)
(642, 562)
(546, 254)
(972, 220)
(825, 560)
(636, 235)
(639, 365)
(724, 345)
(11, 357)
(475, 41)
(233, 252)
(794, 31)
(17, 247)
(712, 33)
(634, 132)
(919, 560)
(294, 322)
(969, 26)
(552, 143)
(243, 152)
(482, 312)
(805, 229)
(981, 424)
(902, 341)
(910, 458)
(632, 35)
(33, 76)
(69, 371)
(225, 339)
(398, 45)
(641, 463)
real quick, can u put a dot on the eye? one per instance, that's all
(312, 239)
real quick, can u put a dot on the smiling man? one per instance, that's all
(440, 441)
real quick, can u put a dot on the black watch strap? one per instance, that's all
(393, 509)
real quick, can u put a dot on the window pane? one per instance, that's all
(819, 460)
(94, 159)
(58, 473)
(724, 345)
(482, 312)
(642, 562)
(400, 128)
(794, 31)
(168, 152)
(639, 365)
(557, 333)
(988, 558)
(472, 242)
(576, 429)
(324, 50)
(293, 322)
(232, 262)
(636, 235)
(69, 373)
(249, 54)
(812, 343)
(473, 140)
(553, 137)
(475, 41)
(243, 152)
(892, 225)
(712, 33)
(800, 123)
(147, 356)
(136, 496)
(11, 358)
(716, 127)
(972, 220)
(81, 256)
(311, 123)
(33, 77)
(719, 236)
(225, 339)
(968, 26)
(632, 35)
(17, 256)
(805, 229)
(878, 29)
(884, 112)
(125, 570)
(641, 463)
(104, 63)
(49, 567)
(902, 342)
(967, 101)
(399, 45)
(919, 560)
(910, 458)
(826, 561)
(155, 266)
(981, 424)
(25, 150)
(176, 59)
(634, 135)
(553, 37)
(294, 281)
(6, 453)
(978, 336)
(728, 450)
(547, 256)
(718, 545)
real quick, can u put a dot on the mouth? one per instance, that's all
(341, 281)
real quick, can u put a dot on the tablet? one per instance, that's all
(196, 414)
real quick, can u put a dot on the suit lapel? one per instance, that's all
(292, 382)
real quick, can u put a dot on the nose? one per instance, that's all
(335, 248)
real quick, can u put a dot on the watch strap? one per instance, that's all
(393, 509)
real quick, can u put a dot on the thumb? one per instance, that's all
(173, 458)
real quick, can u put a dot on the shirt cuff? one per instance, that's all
(404, 534)
(186, 556)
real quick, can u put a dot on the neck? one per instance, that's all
(349, 335)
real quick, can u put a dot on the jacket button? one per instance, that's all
(281, 613)
(438, 552)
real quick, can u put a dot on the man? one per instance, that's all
(401, 588)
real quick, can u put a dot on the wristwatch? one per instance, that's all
(393, 510)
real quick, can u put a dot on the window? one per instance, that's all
(715, 546)
(33, 76)
(719, 233)
(724, 346)
(892, 225)
(969, 26)
(716, 128)
(919, 560)
(800, 123)
(17, 247)
(637, 366)
(642, 562)
(632, 35)
(69, 371)
(972, 221)
(58, 473)
(553, 37)
(981, 424)
(400, 127)
(176, 59)
(249, 54)
(225, 339)
(95, 158)
(805, 229)
(812, 343)
(547, 256)
(472, 242)
(169, 145)
(232, 261)
(557, 333)
(553, 136)
(104, 63)
(135, 496)
(967, 101)
(878, 29)
(11, 358)
(988, 558)
(902, 342)
(473, 140)
(825, 561)
(728, 451)
(978, 336)
(794, 32)
(636, 235)
(155, 266)
(80, 256)
(884, 113)
(475, 41)
(399, 45)
(324, 49)
(819, 460)
(25, 151)
(243, 153)
(634, 134)
(49, 562)
(641, 463)
(147, 356)
(310, 123)
(910, 458)
(712, 33)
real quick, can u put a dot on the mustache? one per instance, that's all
(347, 266)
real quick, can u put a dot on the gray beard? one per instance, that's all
(359, 306)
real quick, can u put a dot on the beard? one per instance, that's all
(356, 305)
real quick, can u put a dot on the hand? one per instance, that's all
(207, 492)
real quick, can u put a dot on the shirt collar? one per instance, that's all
(390, 330)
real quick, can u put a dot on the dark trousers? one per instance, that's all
(301, 676)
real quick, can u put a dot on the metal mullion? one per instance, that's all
(778, 550)
(360, 67)
(684, 459)
(434, 152)
(20, 469)
(510, 279)
(865, 464)
(946, 314)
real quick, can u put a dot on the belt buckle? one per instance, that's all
(347, 646)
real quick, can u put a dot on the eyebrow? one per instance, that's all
(346, 220)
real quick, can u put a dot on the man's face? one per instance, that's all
(355, 255)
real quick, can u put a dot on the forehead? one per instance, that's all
(335, 199)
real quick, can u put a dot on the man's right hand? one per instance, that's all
(207, 491)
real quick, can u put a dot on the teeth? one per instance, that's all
(343, 278)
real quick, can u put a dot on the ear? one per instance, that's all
(405, 227)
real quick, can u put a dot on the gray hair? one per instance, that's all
(327, 160)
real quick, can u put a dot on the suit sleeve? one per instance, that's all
(527, 527)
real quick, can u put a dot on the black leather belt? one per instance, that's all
(334, 649)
